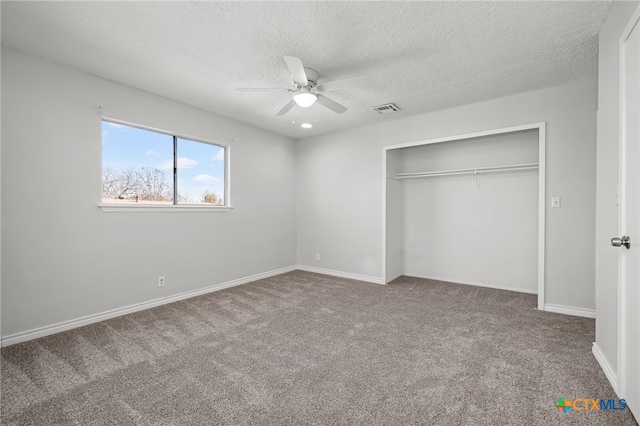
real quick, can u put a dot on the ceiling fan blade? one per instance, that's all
(297, 70)
(349, 83)
(285, 109)
(331, 104)
(261, 89)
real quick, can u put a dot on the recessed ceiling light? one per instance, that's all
(306, 125)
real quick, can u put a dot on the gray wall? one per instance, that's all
(340, 185)
(607, 181)
(455, 230)
(63, 258)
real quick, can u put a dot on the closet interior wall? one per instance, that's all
(479, 229)
(394, 217)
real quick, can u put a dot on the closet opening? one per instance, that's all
(468, 209)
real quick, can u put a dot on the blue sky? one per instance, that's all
(200, 165)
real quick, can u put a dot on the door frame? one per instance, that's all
(541, 127)
(622, 283)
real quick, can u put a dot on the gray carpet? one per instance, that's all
(302, 348)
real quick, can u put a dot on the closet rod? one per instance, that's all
(468, 171)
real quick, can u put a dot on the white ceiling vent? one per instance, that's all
(386, 108)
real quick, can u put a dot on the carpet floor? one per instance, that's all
(302, 349)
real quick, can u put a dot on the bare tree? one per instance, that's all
(184, 197)
(154, 185)
(210, 198)
(109, 182)
(144, 184)
(121, 183)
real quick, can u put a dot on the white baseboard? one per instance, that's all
(90, 319)
(453, 281)
(569, 310)
(348, 275)
(606, 367)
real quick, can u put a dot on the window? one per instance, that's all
(145, 167)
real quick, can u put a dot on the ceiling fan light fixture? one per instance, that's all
(305, 99)
(306, 125)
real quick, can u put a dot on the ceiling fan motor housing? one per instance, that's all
(312, 79)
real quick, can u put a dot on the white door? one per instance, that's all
(629, 255)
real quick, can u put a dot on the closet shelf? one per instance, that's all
(474, 171)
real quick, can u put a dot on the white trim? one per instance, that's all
(227, 176)
(475, 284)
(155, 208)
(348, 275)
(542, 210)
(512, 129)
(383, 263)
(622, 92)
(90, 319)
(570, 310)
(606, 367)
(541, 127)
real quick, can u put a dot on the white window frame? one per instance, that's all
(141, 207)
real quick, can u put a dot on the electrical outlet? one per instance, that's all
(317, 256)
(161, 281)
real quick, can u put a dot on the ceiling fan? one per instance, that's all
(306, 88)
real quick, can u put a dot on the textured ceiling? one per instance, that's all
(423, 56)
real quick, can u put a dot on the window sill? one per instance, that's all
(151, 208)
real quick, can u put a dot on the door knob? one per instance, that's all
(624, 241)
